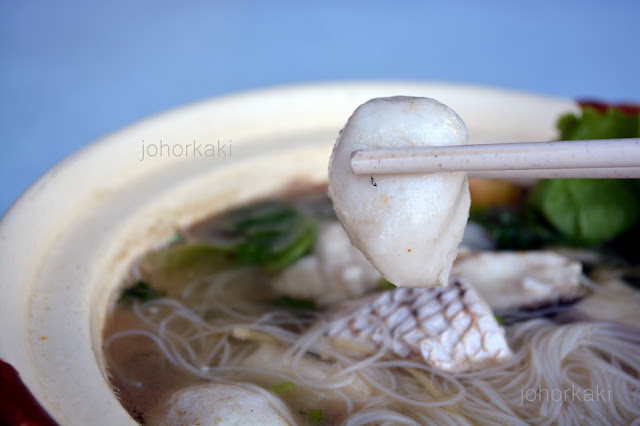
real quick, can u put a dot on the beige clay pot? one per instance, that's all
(67, 242)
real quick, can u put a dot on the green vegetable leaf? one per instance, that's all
(186, 255)
(295, 304)
(386, 285)
(315, 416)
(582, 212)
(516, 230)
(140, 291)
(588, 211)
(271, 234)
(283, 387)
(594, 124)
(171, 267)
(176, 238)
(591, 211)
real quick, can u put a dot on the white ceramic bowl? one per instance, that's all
(67, 242)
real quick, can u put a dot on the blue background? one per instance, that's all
(72, 71)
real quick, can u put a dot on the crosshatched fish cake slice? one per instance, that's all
(449, 328)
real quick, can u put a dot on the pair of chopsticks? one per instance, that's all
(604, 158)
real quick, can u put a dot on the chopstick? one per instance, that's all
(603, 158)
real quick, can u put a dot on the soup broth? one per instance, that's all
(225, 302)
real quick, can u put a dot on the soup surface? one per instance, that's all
(270, 305)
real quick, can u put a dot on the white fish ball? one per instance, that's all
(408, 226)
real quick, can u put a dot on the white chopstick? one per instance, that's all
(604, 158)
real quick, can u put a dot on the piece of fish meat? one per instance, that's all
(449, 328)
(519, 281)
(612, 299)
(336, 271)
(408, 226)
